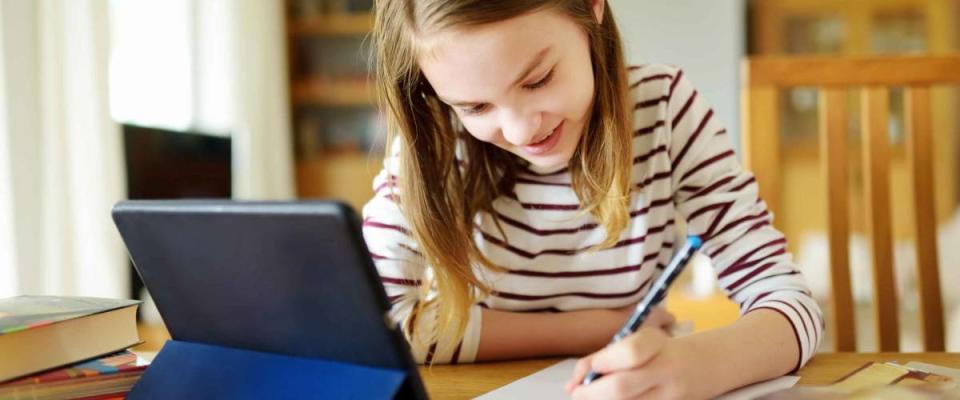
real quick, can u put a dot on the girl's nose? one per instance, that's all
(520, 128)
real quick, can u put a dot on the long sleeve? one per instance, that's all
(720, 201)
(403, 270)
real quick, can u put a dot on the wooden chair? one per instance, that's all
(763, 77)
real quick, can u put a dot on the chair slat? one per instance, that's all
(765, 76)
(876, 171)
(762, 139)
(920, 153)
(833, 142)
(790, 71)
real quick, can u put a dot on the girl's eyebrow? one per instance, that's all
(532, 65)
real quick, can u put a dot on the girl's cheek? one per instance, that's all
(481, 132)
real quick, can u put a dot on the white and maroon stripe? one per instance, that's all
(682, 163)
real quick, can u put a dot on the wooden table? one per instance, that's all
(471, 380)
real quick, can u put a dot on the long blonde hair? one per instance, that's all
(440, 198)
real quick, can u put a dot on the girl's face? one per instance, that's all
(524, 84)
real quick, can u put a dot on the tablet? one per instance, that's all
(292, 278)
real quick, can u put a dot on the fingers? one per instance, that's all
(632, 352)
(579, 372)
(660, 318)
(619, 385)
(669, 320)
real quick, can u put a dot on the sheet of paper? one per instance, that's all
(762, 388)
(934, 369)
(545, 384)
(548, 384)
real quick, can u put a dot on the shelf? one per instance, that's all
(332, 25)
(347, 176)
(333, 93)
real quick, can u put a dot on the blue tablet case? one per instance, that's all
(275, 278)
(185, 370)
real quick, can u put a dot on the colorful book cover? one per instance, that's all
(122, 362)
(29, 312)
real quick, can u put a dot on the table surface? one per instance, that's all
(471, 380)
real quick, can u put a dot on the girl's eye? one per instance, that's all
(475, 110)
(541, 83)
(480, 108)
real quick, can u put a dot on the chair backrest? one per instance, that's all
(873, 76)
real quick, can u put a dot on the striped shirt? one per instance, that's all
(683, 168)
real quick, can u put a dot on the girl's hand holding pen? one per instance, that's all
(648, 364)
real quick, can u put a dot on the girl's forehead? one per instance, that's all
(489, 55)
(508, 34)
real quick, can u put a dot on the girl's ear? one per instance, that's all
(598, 10)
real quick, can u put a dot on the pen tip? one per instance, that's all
(694, 241)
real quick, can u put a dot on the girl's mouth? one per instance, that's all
(546, 144)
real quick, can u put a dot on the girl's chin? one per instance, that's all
(547, 165)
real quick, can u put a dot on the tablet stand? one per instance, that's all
(192, 370)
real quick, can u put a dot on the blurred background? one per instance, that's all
(103, 100)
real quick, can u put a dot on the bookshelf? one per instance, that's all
(327, 93)
(337, 130)
(340, 23)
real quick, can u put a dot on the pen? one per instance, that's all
(654, 296)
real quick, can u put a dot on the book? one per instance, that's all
(877, 380)
(912, 374)
(111, 376)
(39, 333)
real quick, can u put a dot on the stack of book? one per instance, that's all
(103, 378)
(68, 348)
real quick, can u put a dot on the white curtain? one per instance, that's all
(62, 152)
(61, 164)
(262, 151)
(241, 78)
(214, 66)
(8, 274)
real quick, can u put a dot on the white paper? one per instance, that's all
(548, 384)
(545, 384)
(759, 389)
(934, 369)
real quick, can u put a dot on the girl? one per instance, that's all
(531, 193)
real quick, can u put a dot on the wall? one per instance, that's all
(705, 38)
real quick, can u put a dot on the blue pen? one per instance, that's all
(654, 296)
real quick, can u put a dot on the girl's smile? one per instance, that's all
(545, 144)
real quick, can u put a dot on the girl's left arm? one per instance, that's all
(780, 326)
